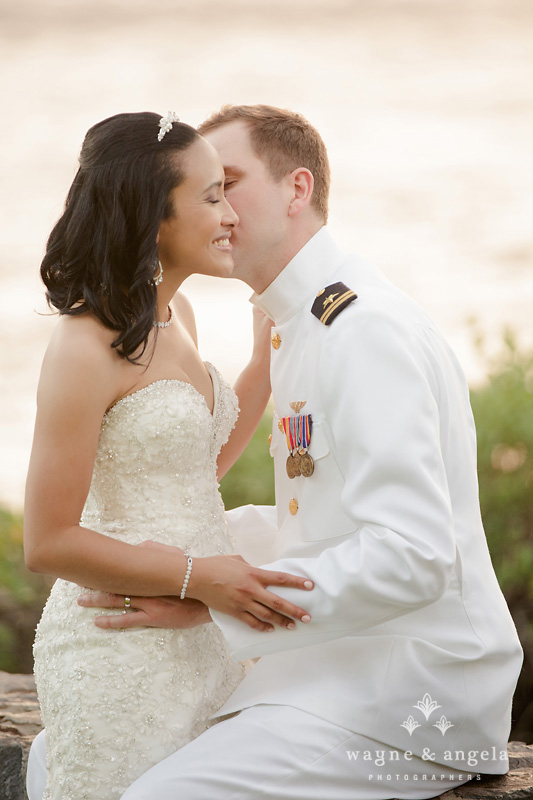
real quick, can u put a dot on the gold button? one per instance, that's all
(275, 340)
(270, 439)
(293, 506)
(280, 426)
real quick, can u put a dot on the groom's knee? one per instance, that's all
(148, 788)
(165, 782)
(36, 774)
(135, 793)
(141, 790)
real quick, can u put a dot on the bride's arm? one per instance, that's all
(79, 381)
(253, 390)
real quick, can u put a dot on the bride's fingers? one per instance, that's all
(265, 614)
(255, 623)
(272, 578)
(282, 607)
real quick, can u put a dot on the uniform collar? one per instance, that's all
(301, 279)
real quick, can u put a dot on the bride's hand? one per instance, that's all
(262, 327)
(230, 585)
(151, 612)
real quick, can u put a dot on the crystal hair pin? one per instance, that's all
(165, 123)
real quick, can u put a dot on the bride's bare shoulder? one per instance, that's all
(80, 354)
(82, 335)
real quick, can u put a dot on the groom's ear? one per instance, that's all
(301, 184)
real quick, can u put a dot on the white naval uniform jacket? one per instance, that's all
(411, 642)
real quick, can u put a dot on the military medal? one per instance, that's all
(293, 459)
(297, 430)
(292, 466)
(295, 442)
(295, 468)
(307, 465)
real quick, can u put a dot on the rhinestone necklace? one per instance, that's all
(168, 322)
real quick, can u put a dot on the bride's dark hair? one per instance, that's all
(101, 255)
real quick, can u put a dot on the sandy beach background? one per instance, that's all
(426, 107)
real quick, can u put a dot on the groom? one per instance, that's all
(401, 685)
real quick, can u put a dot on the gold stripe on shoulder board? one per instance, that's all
(326, 315)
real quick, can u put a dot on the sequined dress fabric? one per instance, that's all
(114, 703)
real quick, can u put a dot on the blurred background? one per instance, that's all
(427, 110)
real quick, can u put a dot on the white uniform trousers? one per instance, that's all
(36, 772)
(283, 753)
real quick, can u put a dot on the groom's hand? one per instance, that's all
(151, 612)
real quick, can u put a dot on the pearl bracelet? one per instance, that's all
(187, 576)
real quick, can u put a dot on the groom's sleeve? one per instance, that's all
(385, 423)
(253, 529)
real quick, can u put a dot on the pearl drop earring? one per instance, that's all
(158, 277)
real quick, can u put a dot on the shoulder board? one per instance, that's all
(330, 301)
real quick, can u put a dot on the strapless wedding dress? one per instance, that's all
(114, 703)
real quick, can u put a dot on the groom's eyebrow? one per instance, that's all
(234, 171)
(215, 184)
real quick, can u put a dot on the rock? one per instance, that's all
(516, 785)
(20, 721)
(19, 707)
(520, 755)
(12, 770)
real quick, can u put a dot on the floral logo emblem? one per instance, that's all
(427, 706)
(443, 724)
(410, 724)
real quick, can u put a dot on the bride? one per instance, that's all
(131, 437)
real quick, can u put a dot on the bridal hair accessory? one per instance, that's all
(165, 123)
(169, 321)
(187, 576)
(158, 277)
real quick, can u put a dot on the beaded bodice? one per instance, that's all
(154, 472)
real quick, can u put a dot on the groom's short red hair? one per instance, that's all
(284, 140)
